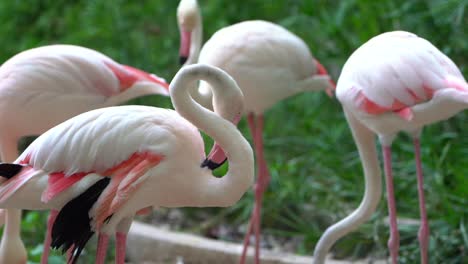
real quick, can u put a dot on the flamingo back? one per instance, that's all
(87, 143)
(394, 71)
(266, 60)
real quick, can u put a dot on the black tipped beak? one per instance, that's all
(211, 164)
(182, 60)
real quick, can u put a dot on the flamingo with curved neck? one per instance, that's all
(395, 82)
(100, 168)
(269, 63)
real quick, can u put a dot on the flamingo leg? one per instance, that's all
(247, 239)
(263, 179)
(70, 254)
(251, 122)
(103, 241)
(48, 239)
(423, 234)
(394, 240)
(121, 241)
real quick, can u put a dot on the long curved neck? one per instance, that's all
(365, 142)
(202, 94)
(195, 41)
(214, 191)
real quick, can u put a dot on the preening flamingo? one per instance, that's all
(44, 86)
(395, 82)
(99, 168)
(268, 62)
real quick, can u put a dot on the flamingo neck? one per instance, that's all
(215, 191)
(137, 90)
(13, 222)
(195, 41)
(365, 142)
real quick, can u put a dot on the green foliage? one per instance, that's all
(316, 173)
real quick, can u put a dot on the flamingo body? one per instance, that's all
(47, 85)
(85, 147)
(411, 70)
(268, 62)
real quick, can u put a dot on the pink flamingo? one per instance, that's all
(44, 86)
(395, 82)
(268, 62)
(99, 168)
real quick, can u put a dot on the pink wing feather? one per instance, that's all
(10, 186)
(126, 179)
(58, 183)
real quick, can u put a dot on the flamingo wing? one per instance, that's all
(17, 175)
(125, 180)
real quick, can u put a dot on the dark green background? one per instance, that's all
(316, 173)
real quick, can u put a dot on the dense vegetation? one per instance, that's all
(316, 173)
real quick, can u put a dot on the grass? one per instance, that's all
(316, 173)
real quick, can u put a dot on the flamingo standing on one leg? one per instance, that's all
(44, 86)
(99, 168)
(395, 82)
(269, 63)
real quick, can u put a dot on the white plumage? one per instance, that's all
(395, 82)
(133, 157)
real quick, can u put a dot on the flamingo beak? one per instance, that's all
(184, 51)
(217, 157)
(322, 71)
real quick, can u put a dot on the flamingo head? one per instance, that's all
(188, 18)
(230, 108)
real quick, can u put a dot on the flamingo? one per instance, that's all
(268, 62)
(99, 168)
(44, 86)
(395, 82)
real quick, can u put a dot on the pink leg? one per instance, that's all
(263, 179)
(103, 241)
(48, 239)
(423, 234)
(120, 247)
(251, 121)
(394, 240)
(70, 253)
